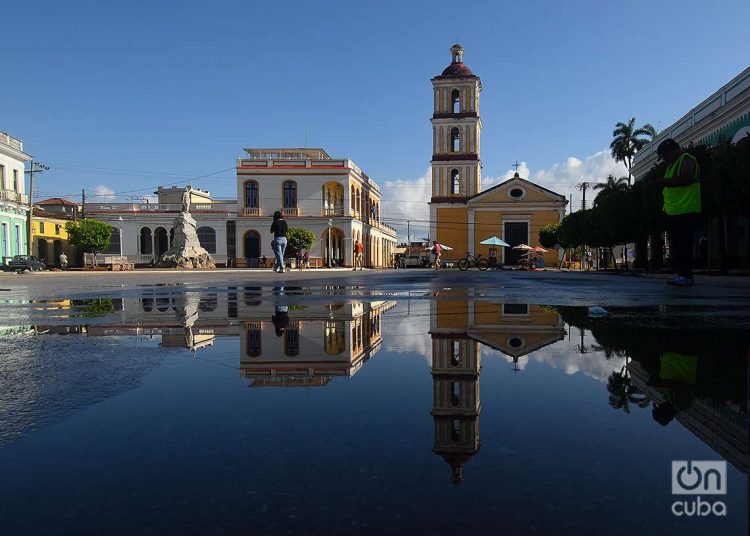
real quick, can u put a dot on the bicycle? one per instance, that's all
(470, 260)
(526, 263)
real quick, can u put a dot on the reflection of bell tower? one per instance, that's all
(456, 129)
(455, 402)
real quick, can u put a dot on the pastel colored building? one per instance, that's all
(49, 238)
(332, 198)
(14, 205)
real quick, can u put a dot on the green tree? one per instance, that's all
(548, 235)
(298, 239)
(91, 236)
(610, 186)
(628, 140)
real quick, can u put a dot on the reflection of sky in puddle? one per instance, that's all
(352, 402)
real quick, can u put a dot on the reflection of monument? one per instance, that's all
(455, 400)
(457, 327)
(186, 250)
(309, 348)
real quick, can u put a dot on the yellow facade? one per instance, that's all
(461, 214)
(49, 239)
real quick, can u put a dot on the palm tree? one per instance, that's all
(622, 392)
(610, 186)
(628, 140)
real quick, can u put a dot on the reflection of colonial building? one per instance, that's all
(310, 352)
(455, 400)
(722, 429)
(317, 342)
(457, 328)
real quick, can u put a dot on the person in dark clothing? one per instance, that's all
(682, 204)
(278, 228)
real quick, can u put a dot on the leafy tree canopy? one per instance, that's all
(298, 239)
(91, 236)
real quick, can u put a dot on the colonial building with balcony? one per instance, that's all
(14, 205)
(331, 197)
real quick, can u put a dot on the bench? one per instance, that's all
(117, 263)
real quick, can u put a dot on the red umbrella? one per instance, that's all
(540, 249)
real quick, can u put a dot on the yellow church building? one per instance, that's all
(461, 214)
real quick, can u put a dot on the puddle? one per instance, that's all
(306, 411)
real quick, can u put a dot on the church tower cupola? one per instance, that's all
(458, 53)
(456, 130)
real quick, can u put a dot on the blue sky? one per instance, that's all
(164, 90)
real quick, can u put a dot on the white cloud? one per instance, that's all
(104, 192)
(406, 199)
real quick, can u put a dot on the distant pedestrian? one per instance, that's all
(306, 258)
(298, 260)
(278, 228)
(63, 261)
(682, 205)
(437, 251)
(358, 250)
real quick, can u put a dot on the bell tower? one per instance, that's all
(456, 129)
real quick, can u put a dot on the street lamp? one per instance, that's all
(119, 218)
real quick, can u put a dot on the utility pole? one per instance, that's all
(583, 186)
(34, 167)
(83, 203)
(408, 238)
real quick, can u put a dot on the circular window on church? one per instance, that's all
(515, 342)
(517, 192)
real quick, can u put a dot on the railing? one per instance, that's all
(159, 207)
(333, 211)
(9, 140)
(248, 211)
(13, 196)
(290, 211)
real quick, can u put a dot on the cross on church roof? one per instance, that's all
(516, 165)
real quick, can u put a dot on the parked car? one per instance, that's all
(19, 263)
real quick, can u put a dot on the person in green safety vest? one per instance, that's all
(682, 204)
(675, 382)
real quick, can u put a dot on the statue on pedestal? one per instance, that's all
(186, 250)
(186, 199)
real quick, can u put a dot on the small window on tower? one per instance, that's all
(455, 140)
(455, 182)
(455, 100)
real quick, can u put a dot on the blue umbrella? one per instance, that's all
(494, 241)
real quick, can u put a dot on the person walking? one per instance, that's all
(681, 189)
(278, 228)
(63, 261)
(306, 259)
(358, 250)
(437, 251)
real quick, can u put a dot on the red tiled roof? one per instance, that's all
(457, 69)
(57, 201)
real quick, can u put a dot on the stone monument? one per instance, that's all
(186, 250)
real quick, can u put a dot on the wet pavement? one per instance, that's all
(371, 403)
